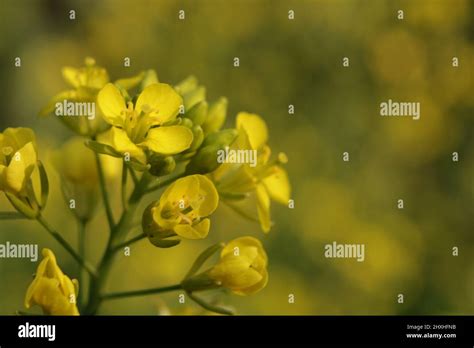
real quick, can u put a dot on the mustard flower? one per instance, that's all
(267, 179)
(182, 210)
(142, 126)
(242, 268)
(51, 289)
(85, 83)
(18, 158)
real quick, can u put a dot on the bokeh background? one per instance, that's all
(282, 62)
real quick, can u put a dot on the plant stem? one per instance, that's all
(116, 234)
(81, 234)
(66, 246)
(210, 307)
(165, 182)
(129, 242)
(143, 292)
(11, 215)
(133, 175)
(124, 185)
(105, 196)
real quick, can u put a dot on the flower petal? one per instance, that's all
(198, 231)
(256, 287)
(119, 140)
(243, 243)
(278, 185)
(187, 187)
(20, 168)
(71, 75)
(18, 137)
(159, 100)
(263, 208)
(112, 105)
(255, 127)
(210, 197)
(168, 140)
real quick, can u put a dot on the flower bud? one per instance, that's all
(205, 160)
(198, 138)
(198, 113)
(161, 165)
(216, 116)
(242, 268)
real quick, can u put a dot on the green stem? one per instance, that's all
(11, 215)
(128, 242)
(133, 175)
(66, 246)
(117, 233)
(81, 234)
(105, 196)
(210, 307)
(143, 292)
(165, 182)
(124, 185)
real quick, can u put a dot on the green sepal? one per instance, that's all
(206, 254)
(102, 148)
(44, 185)
(22, 207)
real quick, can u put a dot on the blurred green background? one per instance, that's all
(282, 62)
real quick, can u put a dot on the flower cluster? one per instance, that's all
(166, 137)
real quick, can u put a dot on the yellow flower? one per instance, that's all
(51, 289)
(85, 83)
(267, 180)
(242, 267)
(142, 126)
(182, 210)
(18, 159)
